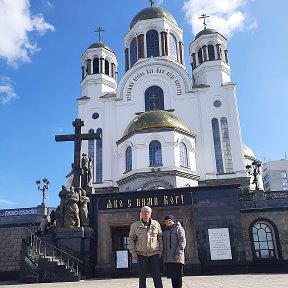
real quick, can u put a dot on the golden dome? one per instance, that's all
(247, 152)
(156, 119)
(100, 45)
(151, 13)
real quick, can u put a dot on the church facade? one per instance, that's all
(161, 128)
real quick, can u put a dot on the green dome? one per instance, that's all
(247, 152)
(156, 119)
(151, 13)
(100, 45)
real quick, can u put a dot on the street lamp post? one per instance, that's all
(254, 170)
(43, 189)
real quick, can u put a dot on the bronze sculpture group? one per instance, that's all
(74, 207)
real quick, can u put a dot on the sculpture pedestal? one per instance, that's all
(80, 243)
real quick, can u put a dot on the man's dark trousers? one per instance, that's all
(154, 263)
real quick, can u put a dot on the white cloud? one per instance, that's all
(226, 16)
(7, 93)
(16, 23)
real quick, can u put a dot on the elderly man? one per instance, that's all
(146, 246)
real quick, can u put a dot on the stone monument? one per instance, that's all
(73, 233)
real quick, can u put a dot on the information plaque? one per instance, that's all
(122, 259)
(219, 241)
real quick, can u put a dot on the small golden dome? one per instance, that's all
(100, 45)
(156, 119)
(247, 152)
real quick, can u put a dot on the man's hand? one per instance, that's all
(134, 256)
(160, 254)
(177, 257)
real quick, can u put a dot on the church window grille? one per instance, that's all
(133, 52)
(263, 241)
(128, 158)
(200, 56)
(107, 67)
(173, 47)
(217, 146)
(211, 52)
(226, 145)
(96, 66)
(152, 43)
(183, 155)
(155, 153)
(99, 158)
(154, 98)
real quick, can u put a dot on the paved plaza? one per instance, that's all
(222, 281)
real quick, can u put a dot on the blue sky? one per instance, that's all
(40, 72)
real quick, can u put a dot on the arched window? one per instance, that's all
(226, 145)
(200, 56)
(183, 154)
(173, 47)
(155, 153)
(91, 146)
(152, 43)
(263, 240)
(217, 146)
(91, 150)
(133, 52)
(211, 52)
(128, 157)
(107, 67)
(154, 98)
(96, 66)
(99, 158)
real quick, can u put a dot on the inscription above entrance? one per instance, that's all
(138, 201)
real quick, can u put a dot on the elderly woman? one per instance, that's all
(174, 242)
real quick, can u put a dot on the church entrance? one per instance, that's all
(116, 212)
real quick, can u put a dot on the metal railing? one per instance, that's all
(46, 250)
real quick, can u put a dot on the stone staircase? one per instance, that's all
(41, 261)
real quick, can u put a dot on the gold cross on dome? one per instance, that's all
(151, 2)
(204, 16)
(99, 30)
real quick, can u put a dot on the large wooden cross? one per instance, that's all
(77, 138)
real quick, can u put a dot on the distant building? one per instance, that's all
(275, 175)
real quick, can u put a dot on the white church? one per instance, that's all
(160, 127)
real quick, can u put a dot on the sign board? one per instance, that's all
(219, 241)
(122, 259)
(138, 200)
